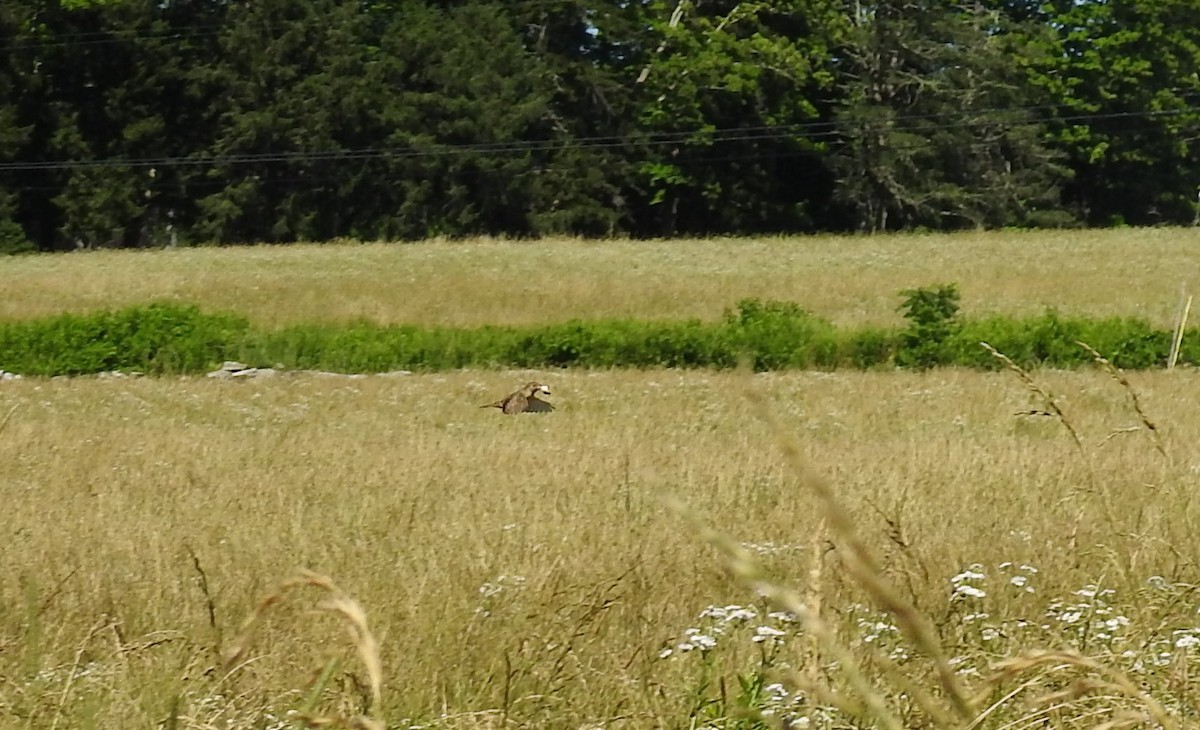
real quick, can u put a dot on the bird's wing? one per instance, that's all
(538, 406)
(514, 403)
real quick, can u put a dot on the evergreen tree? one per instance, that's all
(291, 99)
(14, 137)
(936, 128)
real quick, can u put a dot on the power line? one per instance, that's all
(766, 133)
(811, 132)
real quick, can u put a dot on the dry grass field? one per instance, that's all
(527, 571)
(556, 570)
(851, 280)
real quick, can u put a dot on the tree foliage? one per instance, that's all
(1123, 77)
(935, 123)
(149, 123)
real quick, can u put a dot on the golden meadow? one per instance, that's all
(669, 549)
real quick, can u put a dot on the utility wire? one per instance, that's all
(811, 132)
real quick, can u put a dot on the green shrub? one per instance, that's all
(13, 239)
(621, 343)
(781, 335)
(869, 348)
(1189, 347)
(690, 344)
(1047, 339)
(375, 348)
(594, 344)
(158, 338)
(1128, 342)
(1052, 340)
(932, 314)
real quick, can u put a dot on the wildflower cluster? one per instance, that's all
(732, 630)
(977, 597)
(876, 629)
(1088, 619)
(1177, 642)
(992, 612)
(767, 629)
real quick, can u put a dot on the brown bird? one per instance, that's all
(524, 401)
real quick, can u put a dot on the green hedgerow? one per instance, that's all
(157, 338)
(176, 338)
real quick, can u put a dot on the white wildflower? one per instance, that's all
(1116, 623)
(765, 633)
(697, 640)
(967, 575)
(969, 591)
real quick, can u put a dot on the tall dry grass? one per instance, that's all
(532, 572)
(851, 280)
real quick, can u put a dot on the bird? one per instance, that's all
(524, 400)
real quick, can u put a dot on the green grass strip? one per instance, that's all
(167, 338)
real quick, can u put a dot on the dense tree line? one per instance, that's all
(153, 122)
